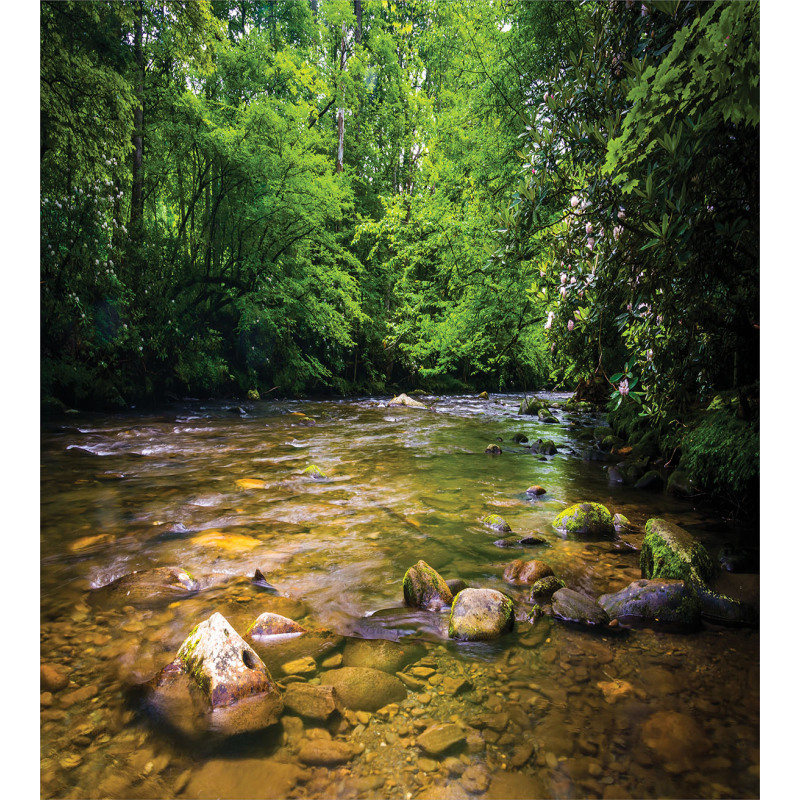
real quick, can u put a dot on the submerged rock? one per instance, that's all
(585, 519)
(216, 684)
(381, 654)
(424, 587)
(480, 614)
(663, 600)
(536, 490)
(493, 450)
(364, 688)
(520, 571)
(269, 624)
(314, 472)
(573, 606)
(312, 702)
(519, 438)
(149, 585)
(544, 447)
(437, 739)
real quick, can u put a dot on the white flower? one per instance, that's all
(589, 228)
(573, 279)
(563, 291)
(590, 243)
(549, 320)
(623, 387)
(563, 278)
(574, 201)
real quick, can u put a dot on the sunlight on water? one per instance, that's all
(551, 710)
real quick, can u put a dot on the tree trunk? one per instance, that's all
(137, 176)
(340, 151)
(357, 9)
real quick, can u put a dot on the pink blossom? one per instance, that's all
(574, 201)
(570, 325)
(623, 387)
(573, 279)
(549, 322)
(563, 278)
(589, 228)
(590, 243)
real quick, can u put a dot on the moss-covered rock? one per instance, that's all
(497, 522)
(545, 587)
(544, 447)
(680, 484)
(252, 394)
(585, 519)
(480, 614)
(314, 472)
(493, 450)
(662, 600)
(519, 438)
(622, 523)
(529, 405)
(483, 396)
(668, 551)
(573, 606)
(424, 587)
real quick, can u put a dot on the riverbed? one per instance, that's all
(550, 710)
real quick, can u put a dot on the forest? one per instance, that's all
(340, 197)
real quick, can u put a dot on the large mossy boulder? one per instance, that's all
(424, 587)
(216, 684)
(148, 586)
(480, 615)
(530, 405)
(363, 688)
(573, 606)
(668, 551)
(591, 520)
(663, 600)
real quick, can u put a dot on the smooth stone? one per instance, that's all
(424, 587)
(536, 490)
(322, 752)
(52, 679)
(313, 702)
(475, 779)
(480, 614)
(270, 624)
(147, 585)
(300, 666)
(675, 738)
(663, 600)
(497, 522)
(235, 778)
(363, 688)
(379, 654)
(520, 571)
(573, 606)
(439, 738)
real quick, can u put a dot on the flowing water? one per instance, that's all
(550, 710)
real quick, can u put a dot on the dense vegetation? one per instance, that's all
(353, 195)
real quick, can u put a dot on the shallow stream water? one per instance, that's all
(550, 710)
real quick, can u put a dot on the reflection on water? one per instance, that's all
(549, 711)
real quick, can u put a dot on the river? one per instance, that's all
(552, 709)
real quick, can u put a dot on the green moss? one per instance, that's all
(585, 518)
(497, 522)
(668, 551)
(314, 472)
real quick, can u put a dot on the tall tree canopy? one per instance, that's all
(347, 195)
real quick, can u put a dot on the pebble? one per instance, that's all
(427, 764)
(300, 666)
(422, 672)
